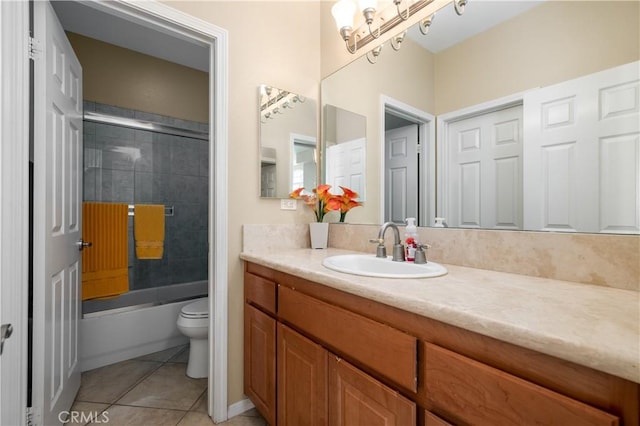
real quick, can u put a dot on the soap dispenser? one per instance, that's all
(410, 239)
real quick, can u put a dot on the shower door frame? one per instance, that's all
(14, 164)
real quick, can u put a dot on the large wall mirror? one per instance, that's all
(288, 148)
(537, 119)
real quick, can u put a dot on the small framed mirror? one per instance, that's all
(287, 136)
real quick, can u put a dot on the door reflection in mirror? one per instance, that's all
(401, 169)
(408, 163)
(304, 165)
(345, 149)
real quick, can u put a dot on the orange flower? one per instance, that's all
(319, 202)
(346, 202)
(322, 201)
(296, 194)
(323, 192)
(346, 192)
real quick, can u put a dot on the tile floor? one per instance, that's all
(152, 390)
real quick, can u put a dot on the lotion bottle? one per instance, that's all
(411, 239)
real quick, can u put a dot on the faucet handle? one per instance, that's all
(420, 255)
(381, 250)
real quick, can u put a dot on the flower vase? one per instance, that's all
(319, 232)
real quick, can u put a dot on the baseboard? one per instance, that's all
(239, 407)
(108, 339)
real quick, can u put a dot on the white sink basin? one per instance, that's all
(371, 266)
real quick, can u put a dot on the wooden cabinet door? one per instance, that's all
(302, 380)
(260, 361)
(357, 399)
(431, 419)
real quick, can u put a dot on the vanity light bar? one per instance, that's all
(389, 18)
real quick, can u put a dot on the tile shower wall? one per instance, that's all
(135, 166)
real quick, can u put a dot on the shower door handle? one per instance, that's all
(5, 332)
(83, 244)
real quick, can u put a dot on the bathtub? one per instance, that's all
(127, 330)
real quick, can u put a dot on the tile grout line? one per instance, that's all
(144, 377)
(193, 406)
(127, 390)
(172, 360)
(162, 364)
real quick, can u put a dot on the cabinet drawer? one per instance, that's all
(385, 350)
(466, 391)
(260, 292)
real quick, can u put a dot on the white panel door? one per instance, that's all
(401, 174)
(57, 219)
(346, 165)
(267, 180)
(485, 170)
(583, 154)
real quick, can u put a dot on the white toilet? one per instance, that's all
(193, 322)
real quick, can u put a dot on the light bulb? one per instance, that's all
(343, 12)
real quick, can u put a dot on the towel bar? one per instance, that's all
(168, 210)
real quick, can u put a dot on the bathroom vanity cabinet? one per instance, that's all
(315, 355)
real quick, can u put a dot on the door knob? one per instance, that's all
(83, 244)
(5, 333)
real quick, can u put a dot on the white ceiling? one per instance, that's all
(447, 29)
(78, 17)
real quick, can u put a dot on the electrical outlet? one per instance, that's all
(288, 204)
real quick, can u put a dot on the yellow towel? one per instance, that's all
(148, 228)
(105, 271)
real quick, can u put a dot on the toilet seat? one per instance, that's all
(197, 309)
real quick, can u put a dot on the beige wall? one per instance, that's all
(553, 42)
(265, 47)
(116, 76)
(341, 125)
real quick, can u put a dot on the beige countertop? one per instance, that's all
(598, 327)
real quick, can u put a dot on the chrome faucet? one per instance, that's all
(398, 247)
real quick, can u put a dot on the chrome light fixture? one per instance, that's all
(271, 106)
(372, 55)
(343, 12)
(425, 24)
(377, 22)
